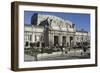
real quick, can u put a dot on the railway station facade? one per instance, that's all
(50, 31)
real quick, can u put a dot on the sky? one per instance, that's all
(81, 21)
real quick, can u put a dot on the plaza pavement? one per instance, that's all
(73, 54)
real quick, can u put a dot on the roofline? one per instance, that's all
(81, 31)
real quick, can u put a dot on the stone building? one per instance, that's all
(50, 31)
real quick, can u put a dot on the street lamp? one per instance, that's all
(82, 30)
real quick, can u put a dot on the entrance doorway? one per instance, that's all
(64, 40)
(56, 40)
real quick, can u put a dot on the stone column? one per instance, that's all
(60, 40)
(33, 37)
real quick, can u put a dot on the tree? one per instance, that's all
(34, 51)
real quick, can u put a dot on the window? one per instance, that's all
(64, 39)
(77, 38)
(70, 26)
(35, 37)
(41, 38)
(30, 37)
(26, 44)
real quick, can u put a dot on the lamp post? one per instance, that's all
(82, 39)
